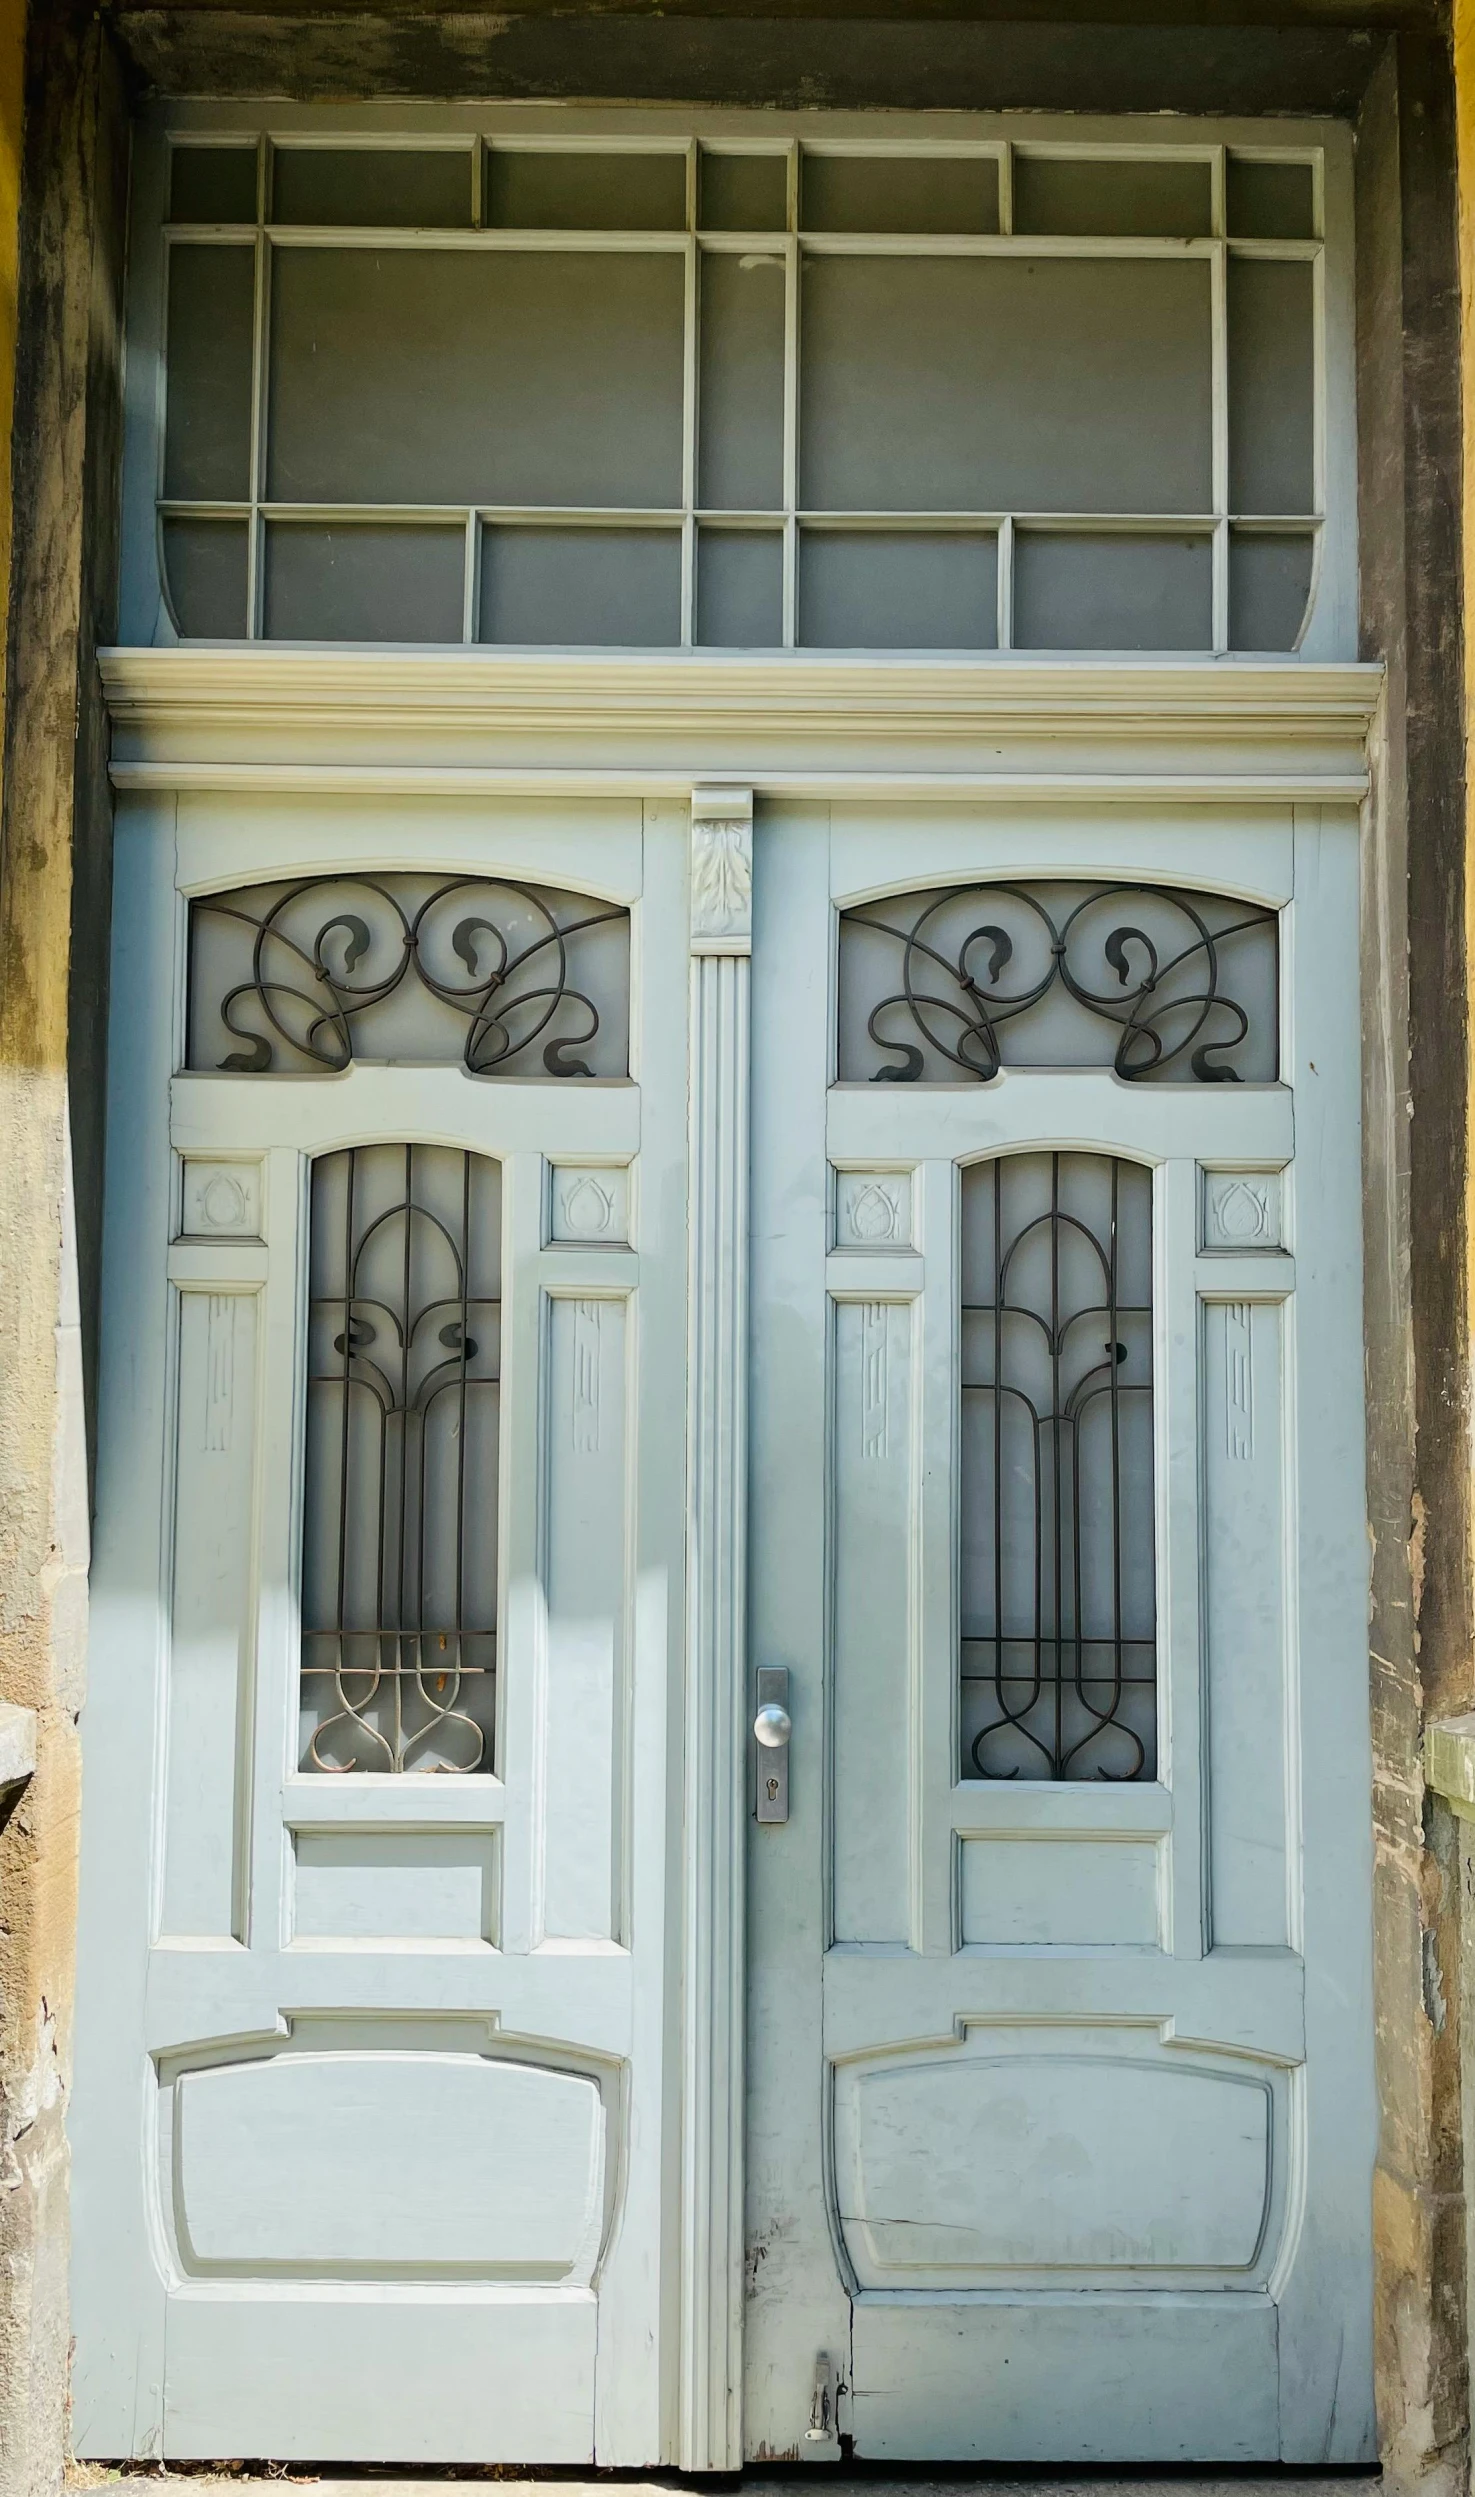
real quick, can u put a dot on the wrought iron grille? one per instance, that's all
(399, 1601)
(512, 979)
(1058, 1659)
(1161, 985)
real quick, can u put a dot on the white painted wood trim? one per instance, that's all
(716, 1661)
(278, 685)
(456, 725)
(1270, 788)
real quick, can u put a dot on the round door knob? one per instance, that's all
(773, 1726)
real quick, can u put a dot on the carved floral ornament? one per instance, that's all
(722, 872)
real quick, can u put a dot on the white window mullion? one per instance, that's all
(1219, 385)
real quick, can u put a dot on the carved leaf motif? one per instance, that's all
(224, 1203)
(587, 1207)
(721, 879)
(1243, 1212)
(875, 1213)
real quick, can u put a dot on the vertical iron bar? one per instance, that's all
(998, 1180)
(461, 1413)
(1113, 1292)
(1055, 1429)
(404, 1466)
(1071, 1427)
(351, 1158)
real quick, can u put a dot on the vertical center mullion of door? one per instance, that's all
(268, 1718)
(522, 1644)
(933, 1659)
(1182, 1726)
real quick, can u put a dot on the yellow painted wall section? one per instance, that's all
(12, 68)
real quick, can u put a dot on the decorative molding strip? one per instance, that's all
(431, 780)
(716, 1656)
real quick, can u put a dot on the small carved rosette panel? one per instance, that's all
(399, 1569)
(1059, 1654)
(1241, 1209)
(509, 979)
(222, 1200)
(590, 1205)
(873, 1209)
(954, 985)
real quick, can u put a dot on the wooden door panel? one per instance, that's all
(391, 2029)
(1072, 2026)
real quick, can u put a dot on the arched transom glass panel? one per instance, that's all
(1058, 1612)
(399, 1558)
(510, 979)
(1161, 985)
(988, 394)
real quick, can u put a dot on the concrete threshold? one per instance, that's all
(774, 2481)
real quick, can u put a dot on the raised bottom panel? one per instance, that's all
(387, 2376)
(1085, 2379)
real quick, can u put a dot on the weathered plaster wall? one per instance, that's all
(64, 290)
(1415, 1061)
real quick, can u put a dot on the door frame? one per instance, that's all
(717, 734)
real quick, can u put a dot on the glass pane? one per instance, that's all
(1159, 985)
(581, 586)
(740, 589)
(501, 978)
(1005, 385)
(205, 567)
(1269, 584)
(881, 589)
(362, 581)
(1059, 1632)
(744, 194)
(465, 377)
(1269, 200)
(371, 186)
(1063, 195)
(1272, 387)
(899, 194)
(207, 432)
(631, 193)
(741, 385)
(399, 1547)
(213, 185)
(1074, 590)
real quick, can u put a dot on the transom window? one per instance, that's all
(739, 391)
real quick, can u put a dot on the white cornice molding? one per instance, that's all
(468, 722)
(932, 695)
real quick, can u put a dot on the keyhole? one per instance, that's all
(773, 1790)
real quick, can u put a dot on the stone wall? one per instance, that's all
(59, 272)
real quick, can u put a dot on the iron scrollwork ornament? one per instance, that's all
(331, 954)
(1147, 961)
